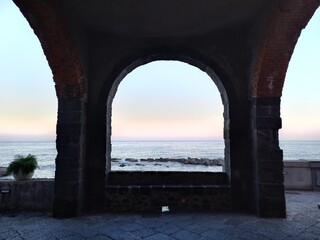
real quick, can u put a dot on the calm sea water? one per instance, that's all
(46, 153)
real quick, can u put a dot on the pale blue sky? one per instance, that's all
(167, 100)
(190, 109)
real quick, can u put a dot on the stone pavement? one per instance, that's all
(302, 222)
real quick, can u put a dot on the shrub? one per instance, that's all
(26, 164)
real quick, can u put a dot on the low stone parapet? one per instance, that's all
(166, 178)
(29, 195)
(302, 175)
(178, 191)
(127, 191)
(176, 198)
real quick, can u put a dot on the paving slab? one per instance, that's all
(302, 222)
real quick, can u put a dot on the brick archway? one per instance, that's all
(280, 36)
(51, 27)
(281, 33)
(87, 49)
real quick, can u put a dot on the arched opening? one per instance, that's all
(300, 103)
(167, 116)
(162, 188)
(300, 109)
(160, 127)
(27, 97)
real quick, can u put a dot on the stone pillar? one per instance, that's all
(69, 178)
(240, 157)
(268, 188)
(96, 157)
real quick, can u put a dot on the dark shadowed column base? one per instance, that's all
(268, 188)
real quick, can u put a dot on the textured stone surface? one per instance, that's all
(267, 157)
(302, 222)
(297, 175)
(166, 178)
(148, 191)
(30, 195)
(177, 197)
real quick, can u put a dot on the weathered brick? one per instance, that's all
(276, 47)
(50, 26)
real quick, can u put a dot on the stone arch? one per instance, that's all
(278, 41)
(49, 23)
(254, 85)
(50, 26)
(182, 58)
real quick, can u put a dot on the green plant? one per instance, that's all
(25, 164)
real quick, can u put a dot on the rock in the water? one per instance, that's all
(131, 160)
(115, 159)
(162, 160)
(139, 164)
(147, 160)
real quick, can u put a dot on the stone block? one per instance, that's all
(69, 173)
(71, 105)
(315, 169)
(271, 155)
(71, 117)
(270, 166)
(268, 122)
(272, 207)
(270, 190)
(297, 175)
(266, 101)
(66, 207)
(30, 195)
(68, 190)
(268, 111)
(73, 129)
(145, 190)
(271, 177)
(68, 162)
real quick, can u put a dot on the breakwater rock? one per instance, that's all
(191, 161)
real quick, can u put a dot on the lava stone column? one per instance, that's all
(69, 179)
(268, 188)
(95, 167)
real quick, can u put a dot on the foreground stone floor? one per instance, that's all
(303, 222)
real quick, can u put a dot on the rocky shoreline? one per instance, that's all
(191, 161)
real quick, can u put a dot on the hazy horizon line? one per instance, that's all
(151, 140)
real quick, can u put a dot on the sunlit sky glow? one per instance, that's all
(165, 100)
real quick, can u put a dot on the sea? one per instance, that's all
(122, 151)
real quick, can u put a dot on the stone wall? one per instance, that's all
(150, 191)
(30, 195)
(130, 191)
(180, 191)
(150, 198)
(124, 178)
(302, 175)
